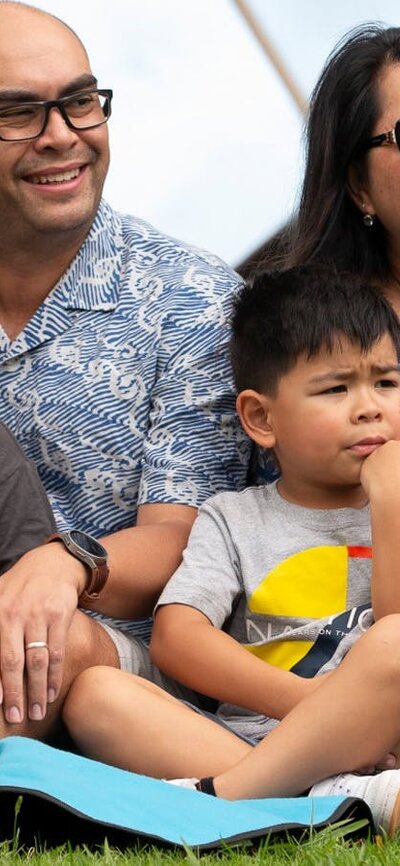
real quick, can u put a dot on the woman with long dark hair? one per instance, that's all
(349, 211)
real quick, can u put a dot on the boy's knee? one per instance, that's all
(85, 697)
(381, 646)
(387, 630)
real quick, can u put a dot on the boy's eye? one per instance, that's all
(387, 383)
(335, 389)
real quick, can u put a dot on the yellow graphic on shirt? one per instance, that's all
(310, 584)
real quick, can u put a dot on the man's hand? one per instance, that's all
(38, 597)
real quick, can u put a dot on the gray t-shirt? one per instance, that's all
(291, 584)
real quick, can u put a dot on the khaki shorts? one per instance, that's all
(134, 658)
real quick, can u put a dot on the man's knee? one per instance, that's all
(88, 644)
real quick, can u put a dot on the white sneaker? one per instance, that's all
(381, 793)
(183, 783)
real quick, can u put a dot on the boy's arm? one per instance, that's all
(187, 647)
(380, 477)
(207, 591)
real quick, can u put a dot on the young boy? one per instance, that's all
(272, 610)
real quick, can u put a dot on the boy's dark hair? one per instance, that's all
(302, 311)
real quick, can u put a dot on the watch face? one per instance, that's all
(87, 543)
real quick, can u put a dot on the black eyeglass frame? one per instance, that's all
(48, 105)
(391, 137)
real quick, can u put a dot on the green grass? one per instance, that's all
(335, 846)
(326, 852)
(328, 848)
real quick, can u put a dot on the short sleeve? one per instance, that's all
(208, 578)
(195, 446)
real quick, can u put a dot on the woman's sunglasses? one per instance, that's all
(391, 137)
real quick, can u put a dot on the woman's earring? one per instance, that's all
(369, 220)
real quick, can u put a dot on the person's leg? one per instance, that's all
(350, 721)
(131, 723)
(88, 644)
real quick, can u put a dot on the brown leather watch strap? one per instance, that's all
(97, 581)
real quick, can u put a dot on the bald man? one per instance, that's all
(115, 380)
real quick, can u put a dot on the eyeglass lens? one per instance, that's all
(27, 120)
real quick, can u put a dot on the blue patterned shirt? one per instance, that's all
(119, 387)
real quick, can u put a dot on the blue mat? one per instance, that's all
(68, 797)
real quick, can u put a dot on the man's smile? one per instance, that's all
(55, 175)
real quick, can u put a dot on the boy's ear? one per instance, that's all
(254, 412)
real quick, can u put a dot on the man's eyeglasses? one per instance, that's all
(391, 137)
(23, 121)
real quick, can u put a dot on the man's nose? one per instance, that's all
(56, 133)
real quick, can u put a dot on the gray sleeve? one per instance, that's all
(26, 519)
(209, 577)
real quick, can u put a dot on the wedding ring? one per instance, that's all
(36, 644)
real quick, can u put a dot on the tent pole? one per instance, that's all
(272, 55)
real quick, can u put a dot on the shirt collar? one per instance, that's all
(91, 282)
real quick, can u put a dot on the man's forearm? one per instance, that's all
(141, 560)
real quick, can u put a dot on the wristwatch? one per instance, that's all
(92, 553)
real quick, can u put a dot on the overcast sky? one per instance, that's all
(206, 141)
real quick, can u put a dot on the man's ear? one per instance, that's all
(357, 188)
(254, 412)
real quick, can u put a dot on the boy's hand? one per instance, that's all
(380, 471)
